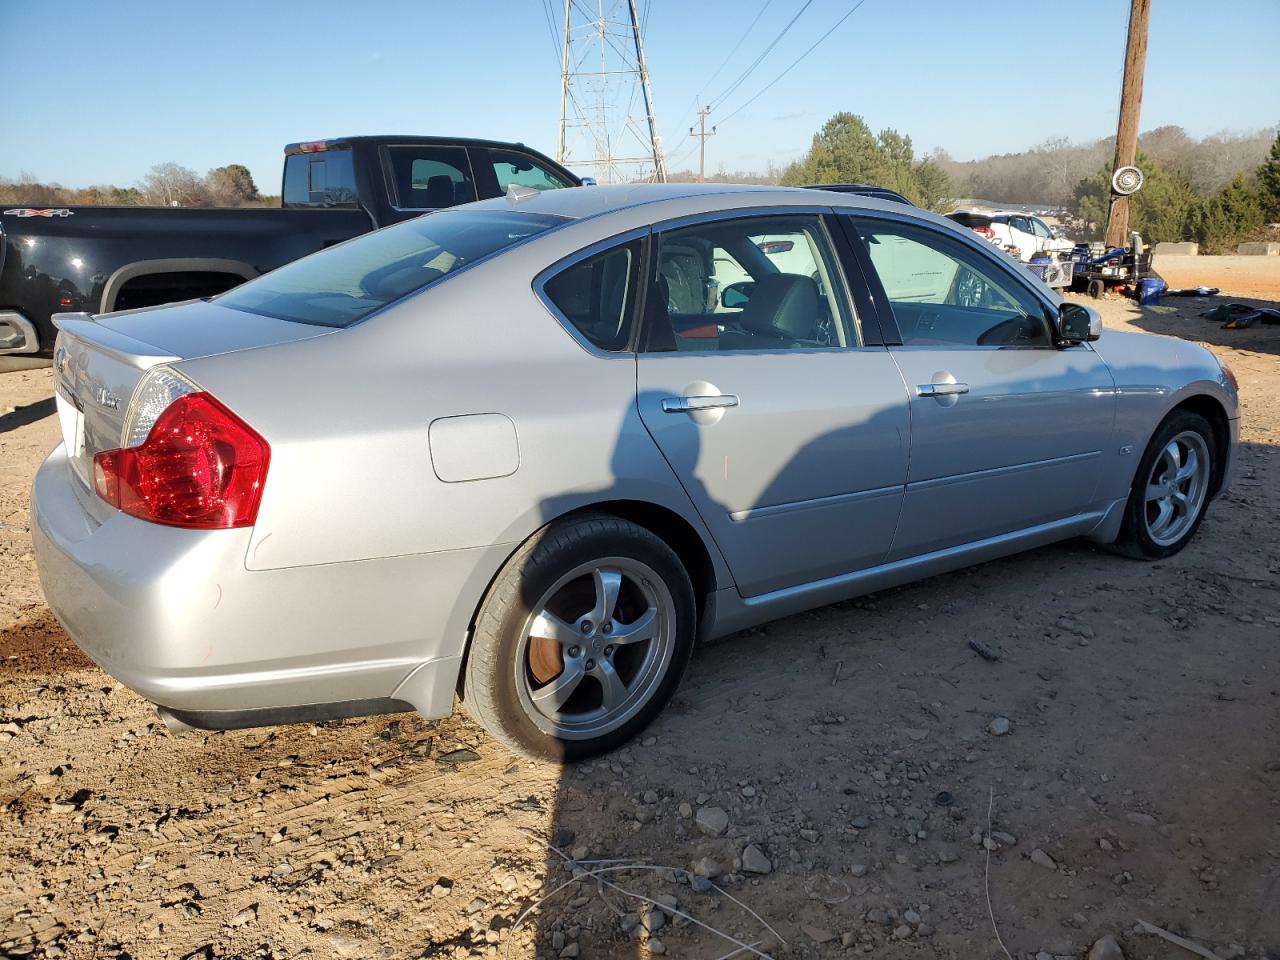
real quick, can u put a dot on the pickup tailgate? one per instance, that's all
(98, 362)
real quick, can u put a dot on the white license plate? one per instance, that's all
(72, 421)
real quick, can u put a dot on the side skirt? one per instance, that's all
(734, 612)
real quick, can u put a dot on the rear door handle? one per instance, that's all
(941, 389)
(693, 404)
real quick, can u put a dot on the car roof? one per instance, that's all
(867, 189)
(677, 199)
(394, 138)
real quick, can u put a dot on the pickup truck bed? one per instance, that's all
(99, 259)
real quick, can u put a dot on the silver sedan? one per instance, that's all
(530, 451)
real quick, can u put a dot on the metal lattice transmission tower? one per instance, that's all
(607, 122)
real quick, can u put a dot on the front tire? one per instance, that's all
(1171, 488)
(581, 639)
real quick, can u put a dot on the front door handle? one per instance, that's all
(694, 404)
(941, 389)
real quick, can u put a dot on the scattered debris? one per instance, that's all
(1182, 942)
(984, 651)
(1106, 948)
(1042, 859)
(986, 879)
(1241, 316)
(712, 821)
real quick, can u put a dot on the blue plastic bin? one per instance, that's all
(1149, 291)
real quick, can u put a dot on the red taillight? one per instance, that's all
(986, 232)
(200, 466)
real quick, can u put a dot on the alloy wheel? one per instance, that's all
(1176, 488)
(595, 648)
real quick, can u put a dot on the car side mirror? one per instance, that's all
(736, 295)
(588, 181)
(1078, 323)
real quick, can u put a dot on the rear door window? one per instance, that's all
(749, 283)
(430, 177)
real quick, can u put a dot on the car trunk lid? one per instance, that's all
(99, 361)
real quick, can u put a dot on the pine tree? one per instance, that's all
(1269, 183)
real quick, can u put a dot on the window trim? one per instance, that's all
(893, 336)
(389, 176)
(639, 270)
(743, 213)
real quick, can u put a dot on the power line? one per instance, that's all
(551, 30)
(794, 63)
(725, 62)
(717, 101)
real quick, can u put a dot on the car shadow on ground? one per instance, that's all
(29, 413)
(1184, 318)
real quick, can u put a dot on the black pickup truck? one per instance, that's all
(98, 259)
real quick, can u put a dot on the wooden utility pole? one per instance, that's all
(1135, 58)
(702, 141)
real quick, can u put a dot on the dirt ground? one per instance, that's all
(848, 752)
(1238, 276)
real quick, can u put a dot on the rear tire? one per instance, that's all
(1170, 489)
(581, 639)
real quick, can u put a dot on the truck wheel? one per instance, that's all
(1096, 289)
(1170, 490)
(581, 640)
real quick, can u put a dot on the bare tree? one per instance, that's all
(172, 185)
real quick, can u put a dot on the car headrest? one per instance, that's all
(439, 191)
(785, 305)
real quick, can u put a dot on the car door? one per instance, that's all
(785, 419)
(1007, 429)
(1024, 236)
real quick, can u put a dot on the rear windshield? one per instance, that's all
(338, 286)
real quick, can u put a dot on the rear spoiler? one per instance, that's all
(135, 353)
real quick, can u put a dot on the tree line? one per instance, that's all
(165, 185)
(1219, 190)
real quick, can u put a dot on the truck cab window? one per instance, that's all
(430, 177)
(518, 168)
(325, 179)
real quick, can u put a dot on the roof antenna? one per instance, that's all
(517, 192)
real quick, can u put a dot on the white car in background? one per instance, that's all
(1020, 234)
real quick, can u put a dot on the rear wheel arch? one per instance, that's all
(664, 523)
(198, 275)
(552, 560)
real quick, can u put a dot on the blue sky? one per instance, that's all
(98, 92)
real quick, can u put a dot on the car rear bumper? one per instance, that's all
(175, 615)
